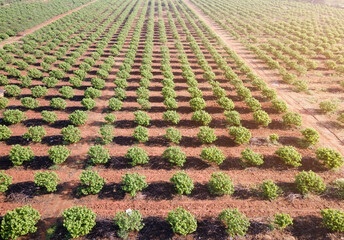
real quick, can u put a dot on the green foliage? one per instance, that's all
(98, 154)
(98, 83)
(330, 157)
(282, 220)
(197, 103)
(168, 92)
(289, 155)
(25, 81)
(142, 118)
(133, 183)
(48, 116)
(58, 103)
(310, 137)
(14, 116)
(236, 222)
(79, 221)
(110, 118)
(233, 118)
(34, 73)
(3, 102)
(115, 104)
(75, 81)
(107, 132)
(39, 91)
(170, 103)
(173, 135)
(225, 103)
(251, 157)
(91, 182)
(171, 116)
(270, 190)
(253, 104)
(19, 154)
(201, 117)
(273, 138)
(141, 134)
(182, 182)
(12, 90)
(241, 134)
(5, 181)
(309, 182)
(50, 81)
(5, 132)
(47, 180)
(328, 106)
(195, 92)
(67, 92)
(3, 79)
(206, 134)
(137, 156)
(213, 154)
(220, 184)
(244, 92)
(19, 222)
(35, 133)
(29, 102)
(292, 118)
(91, 92)
(175, 156)
(88, 103)
(182, 221)
(58, 154)
(78, 117)
(261, 117)
(127, 221)
(142, 93)
(71, 134)
(120, 93)
(333, 219)
(145, 104)
(279, 105)
(57, 73)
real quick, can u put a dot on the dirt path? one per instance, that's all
(296, 101)
(43, 24)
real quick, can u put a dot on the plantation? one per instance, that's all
(134, 119)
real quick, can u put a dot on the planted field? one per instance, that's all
(140, 106)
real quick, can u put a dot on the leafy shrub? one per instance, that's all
(50, 81)
(269, 93)
(170, 103)
(3, 79)
(120, 93)
(279, 105)
(57, 73)
(310, 137)
(236, 222)
(107, 132)
(253, 104)
(270, 190)
(58, 103)
(35, 133)
(47, 180)
(115, 104)
(333, 219)
(67, 92)
(282, 220)
(241, 134)
(19, 154)
(225, 103)
(145, 104)
(220, 184)
(14, 116)
(58, 154)
(182, 221)
(25, 81)
(98, 154)
(175, 156)
(330, 157)
(292, 118)
(195, 92)
(289, 155)
(137, 156)
(233, 118)
(29, 102)
(168, 92)
(39, 91)
(79, 221)
(328, 106)
(182, 182)
(213, 154)
(5, 181)
(75, 81)
(197, 103)
(201, 117)
(81, 74)
(3, 102)
(91, 182)
(19, 222)
(142, 118)
(5, 132)
(78, 117)
(48, 116)
(133, 182)
(261, 117)
(251, 157)
(307, 182)
(243, 92)
(12, 90)
(110, 118)
(142, 93)
(121, 83)
(206, 135)
(91, 92)
(98, 83)
(34, 73)
(141, 134)
(127, 221)
(171, 116)
(173, 135)
(71, 134)
(88, 103)
(273, 138)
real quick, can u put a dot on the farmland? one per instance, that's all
(141, 105)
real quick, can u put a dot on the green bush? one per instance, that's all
(206, 135)
(173, 135)
(243, 92)
(292, 118)
(110, 118)
(289, 155)
(29, 102)
(34, 73)
(144, 104)
(5, 132)
(270, 190)
(171, 116)
(328, 106)
(91, 92)
(195, 92)
(3, 80)
(142, 93)
(115, 104)
(201, 117)
(330, 157)
(47, 180)
(137, 156)
(269, 93)
(175, 156)
(12, 90)
(98, 83)
(98, 154)
(78, 221)
(282, 220)
(220, 184)
(333, 219)
(78, 117)
(182, 183)
(142, 118)
(57, 73)
(58, 103)
(19, 154)
(141, 134)
(233, 118)
(225, 103)
(309, 182)
(273, 138)
(88, 103)
(310, 137)
(170, 103)
(182, 221)
(58, 154)
(91, 182)
(120, 93)
(3, 102)
(67, 92)
(261, 117)
(197, 104)
(50, 81)
(14, 116)
(236, 222)
(35, 133)
(133, 182)
(19, 222)
(251, 157)
(107, 132)
(241, 134)
(168, 92)
(48, 116)
(25, 81)
(279, 105)
(127, 221)
(71, 134)
(5, 181)
(213, 154)
(75, 81)
(39, 91)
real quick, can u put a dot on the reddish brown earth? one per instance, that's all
(159, 198)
